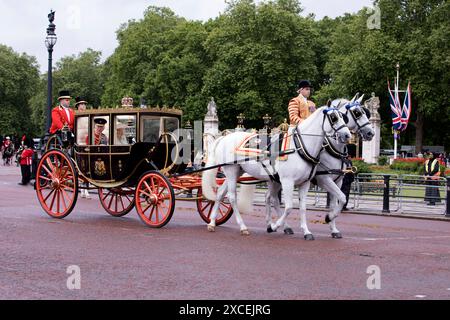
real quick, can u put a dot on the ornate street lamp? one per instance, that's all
(267, 120)
(50, 42)
(240, 118)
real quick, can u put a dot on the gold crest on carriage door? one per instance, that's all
(100, 168)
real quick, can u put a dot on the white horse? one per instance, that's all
(297, 170)
(332, 161)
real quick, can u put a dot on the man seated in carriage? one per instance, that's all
(300, 108)
(99, 137)
(62, 115)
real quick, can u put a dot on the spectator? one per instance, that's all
(25, 160)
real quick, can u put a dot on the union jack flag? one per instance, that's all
(406, 111)
(395, 108)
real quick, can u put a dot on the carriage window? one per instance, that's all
(100, 131)
(170, 125)
(125, 130)
(150, 129)
(82, 130)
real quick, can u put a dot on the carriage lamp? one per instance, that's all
(188, 127)
(50, 42)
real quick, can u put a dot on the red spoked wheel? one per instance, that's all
(56, 184)
(205, 206)
(118, 202)
(155, 200)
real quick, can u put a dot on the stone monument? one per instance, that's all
(211, 121)
(371, 149)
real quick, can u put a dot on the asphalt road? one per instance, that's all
(120, 258)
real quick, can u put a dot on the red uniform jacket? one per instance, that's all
(26, 157)
(59, 119)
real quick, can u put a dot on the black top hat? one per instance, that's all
(304, 84)
(100, 121)
(79, 100)
(64, 94)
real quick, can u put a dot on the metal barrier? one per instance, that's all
(387, 193)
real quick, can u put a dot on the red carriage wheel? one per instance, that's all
(53, 143)
(155, 200)
(205, 206)
(117, 201)
(56, 184)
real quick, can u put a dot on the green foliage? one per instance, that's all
(19, 78)
(414, 33)
(259, 53)
(412, 167)
(383, 160)
(362, 166)
(250, 59)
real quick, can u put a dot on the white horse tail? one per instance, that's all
(209, 183)
(245, 197)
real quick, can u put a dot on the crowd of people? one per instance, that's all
(19, 151)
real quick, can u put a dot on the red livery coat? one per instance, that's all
(59, 119)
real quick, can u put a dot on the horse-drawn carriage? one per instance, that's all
(128, 160)
(131, 165)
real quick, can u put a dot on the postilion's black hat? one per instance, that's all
(100, 121)
(64, 94)
(304, 84)
(79, 100)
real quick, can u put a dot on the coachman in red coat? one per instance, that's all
(62, 115)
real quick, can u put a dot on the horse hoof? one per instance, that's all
(270, 230)
(288, 231)
(337, 235)
(211, 229)
(245, 233)
(327, 219)
(309, 237)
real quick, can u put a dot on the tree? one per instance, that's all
(414, 33)
(161, 59)
(259, 53)
(19, 78)
(81, 74)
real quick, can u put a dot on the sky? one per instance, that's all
(82, 24)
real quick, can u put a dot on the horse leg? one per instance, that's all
(276, 187)
(302, 195)
(288, 192)
(232, 174)
(336, 205)
(221, 192)
(268, 206)
(335, 233)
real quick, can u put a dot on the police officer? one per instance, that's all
(432, 173)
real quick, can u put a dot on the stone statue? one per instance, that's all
(51, 16)
(212, 109)
(371, 149)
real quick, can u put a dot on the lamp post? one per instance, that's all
(50, 41)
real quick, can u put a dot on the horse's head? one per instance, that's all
(334, 124)
(357, 117)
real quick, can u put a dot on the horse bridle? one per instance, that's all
(355, 117)
(333, 121)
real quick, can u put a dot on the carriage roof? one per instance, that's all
(153, 111)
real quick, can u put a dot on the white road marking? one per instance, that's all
(420, 296)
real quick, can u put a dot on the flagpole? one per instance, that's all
(395, 131)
